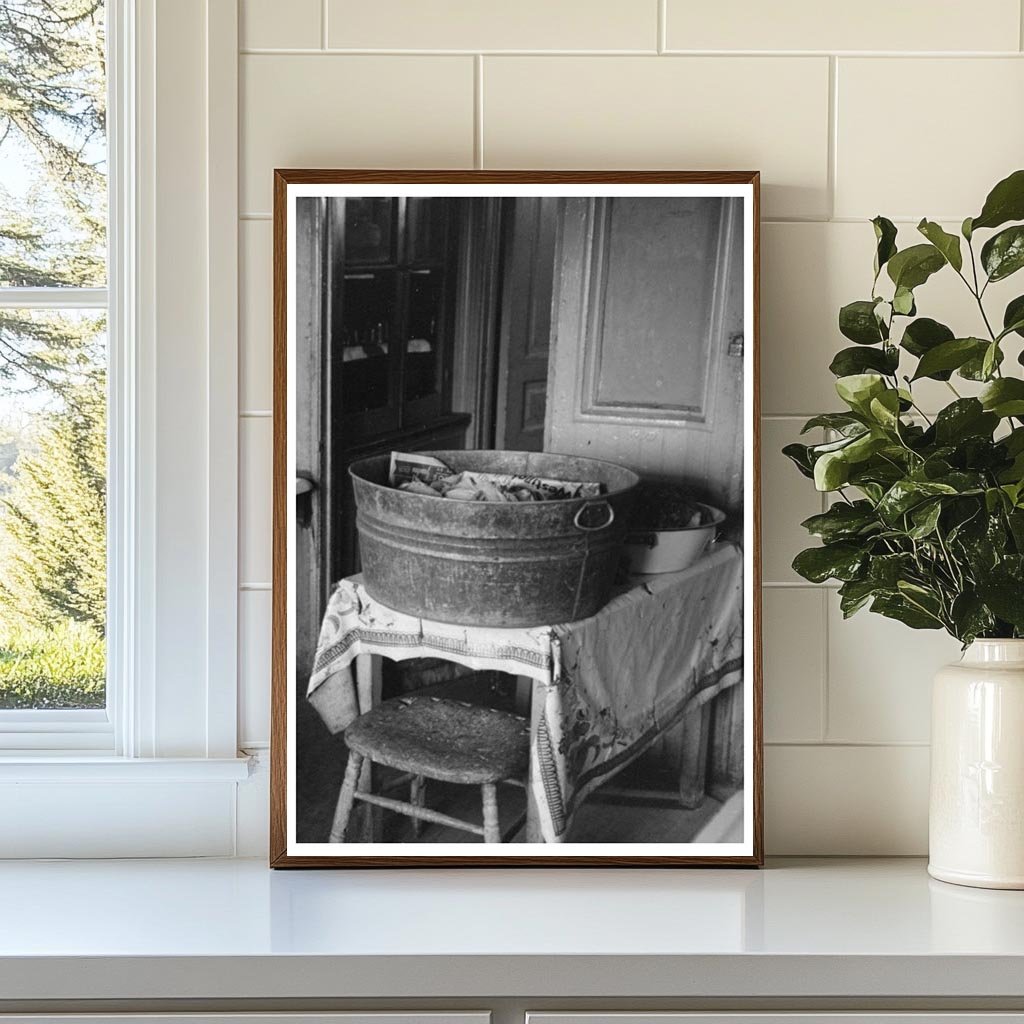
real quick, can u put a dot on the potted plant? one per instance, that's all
(927, 521)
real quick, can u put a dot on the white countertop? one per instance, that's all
(233, 929)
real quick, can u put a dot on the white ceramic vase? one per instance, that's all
(976, 815)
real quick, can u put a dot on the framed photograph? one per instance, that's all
(516, 587)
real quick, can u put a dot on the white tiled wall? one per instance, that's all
(907, 109)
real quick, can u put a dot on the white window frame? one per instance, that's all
(172, 467)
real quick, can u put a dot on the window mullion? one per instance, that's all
(53, 298)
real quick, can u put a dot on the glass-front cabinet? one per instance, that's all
(391, 269)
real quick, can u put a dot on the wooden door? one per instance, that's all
(526, 323)
(647, 354)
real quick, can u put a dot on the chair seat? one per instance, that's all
(442, 739)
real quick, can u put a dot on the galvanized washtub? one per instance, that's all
(490, 564)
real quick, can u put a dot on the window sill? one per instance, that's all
(75, 766)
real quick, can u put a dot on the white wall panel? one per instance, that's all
(255, 508)
(688, 113)
(328, 110)
(253, 667)
(794, 663)
(471, 25)
(875, 25)
(811, 125)
(256, 302)
(970, 110)
(846, 800)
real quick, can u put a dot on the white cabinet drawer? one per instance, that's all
(853, 1017)
(355, 1017)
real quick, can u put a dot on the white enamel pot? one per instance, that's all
(656, 551)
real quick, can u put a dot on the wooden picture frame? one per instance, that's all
(483, 270)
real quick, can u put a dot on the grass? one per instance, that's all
(60, 667)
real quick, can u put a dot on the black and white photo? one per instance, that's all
(516, 567)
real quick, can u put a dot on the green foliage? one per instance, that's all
(53, 521)
(52, 467)
(62, 667)
(52, 124)
(927, 523)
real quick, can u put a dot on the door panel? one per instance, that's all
(273, 1017)
(526, 324)
(647, 361)
(787, 1017)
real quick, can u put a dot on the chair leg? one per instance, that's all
(417, 785)
(346, 798)
(492, 830)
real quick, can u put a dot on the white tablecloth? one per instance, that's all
(610, 684)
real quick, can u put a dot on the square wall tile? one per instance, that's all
(254, 667)
(270, 24)
(793, 629)
(846, 801)
(880, 677)
(471, 25)
(330, 110)
(255, 507)
(255, 316)
(692, 113)
(787, 499)
(964, 120)
(808, 271)
(868, 25)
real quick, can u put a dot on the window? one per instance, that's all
(53, 365)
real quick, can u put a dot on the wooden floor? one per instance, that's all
(600, 820)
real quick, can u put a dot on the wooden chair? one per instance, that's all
(430, 737)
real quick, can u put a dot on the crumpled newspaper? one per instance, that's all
(423, 474)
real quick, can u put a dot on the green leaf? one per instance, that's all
(1005, 596)
(950, 355)
(850, 361)
(990, 360)
(971, 617)
(885, 409)
(865, 446)
(899, 608)
(1004, 397)
(885, 237)
(858, 389)
(854, 594)
(925, 518)
(1013, 317)
(923, 335)
(906, 494)
(842, 521)
(831, 471)
(974, 368)
(840, 561)
(965, 229)
(799, 455)
(1005, 202)
(887, 570)
(841, 421)
(912, 267)
(857, 321)
(947, 244)
(1003, 254)
(966, 417)
(903, 302)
